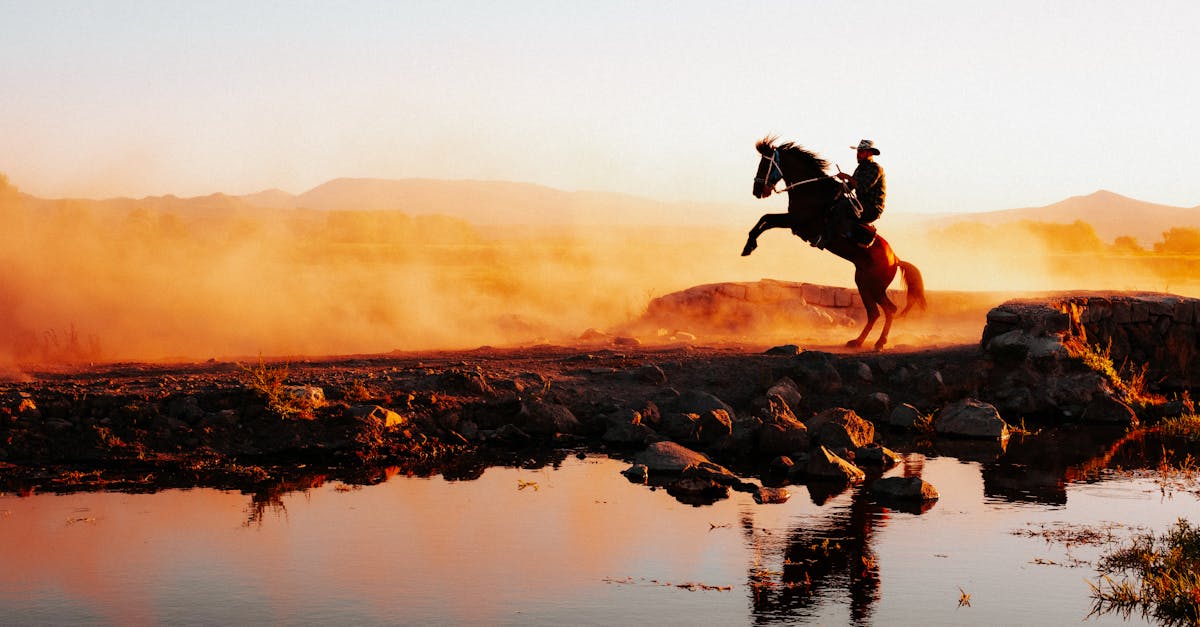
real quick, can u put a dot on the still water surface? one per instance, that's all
(571, 544)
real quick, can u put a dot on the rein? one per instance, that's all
(776, 167)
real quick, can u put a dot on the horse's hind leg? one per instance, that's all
(768, 221)
(889, 310)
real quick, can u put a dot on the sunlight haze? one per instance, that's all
(975, 107)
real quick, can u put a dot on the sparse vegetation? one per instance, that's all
(1186, 426)
(1128, 381)
(268, 381)
(1165, 582)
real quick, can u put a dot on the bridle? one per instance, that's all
(775, 174)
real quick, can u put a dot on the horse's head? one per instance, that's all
(769, 169)
(784, 162)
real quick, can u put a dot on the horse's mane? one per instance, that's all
(767, 144)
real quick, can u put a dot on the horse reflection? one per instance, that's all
(790, 573)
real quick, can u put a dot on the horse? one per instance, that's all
(811, 194)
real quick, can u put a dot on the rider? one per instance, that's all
(869, 188)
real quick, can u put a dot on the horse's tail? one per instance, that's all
(915, 286)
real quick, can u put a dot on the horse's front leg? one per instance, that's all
(872, 316)
(768, 221)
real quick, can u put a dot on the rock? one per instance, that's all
(781, 464)
(381, 416)
(637, 473)
(904, 416)
(904, 489)
(876, 455)
(512, 433)
(715, 425)
(823, 464)
(688, 488)
(542, 418)
(862, 372)
(26, 408)
(185, 408)
(775, 439)
(626, 341)
(593, 335)
(697, 402)
(765, 495)
(467, 380)
(1018, 345)
(306, 395)
(685, 427)
(930, 385)
(789, 350)
(629, 434)
(468, 429)
(972, 419)
(651, 373)
(1105, 409)
(815, 371)
(669, 457)
(840, 428)
(745, 432)
(875, 405)
(787, 389)
(776, 411)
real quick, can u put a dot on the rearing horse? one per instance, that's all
(811, 192)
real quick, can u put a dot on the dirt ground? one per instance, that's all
(146, 425)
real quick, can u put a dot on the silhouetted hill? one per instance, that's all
(502, 202)
(1111, 215)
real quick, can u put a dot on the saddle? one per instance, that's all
(862, 234)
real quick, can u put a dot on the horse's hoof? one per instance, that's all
(750, 246)
(854, 343)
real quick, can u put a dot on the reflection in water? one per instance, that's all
(387, 545)
(817, 560)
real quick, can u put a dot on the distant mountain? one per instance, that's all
(501, 202)
(1111, 215)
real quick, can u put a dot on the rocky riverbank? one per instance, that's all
(777, 414)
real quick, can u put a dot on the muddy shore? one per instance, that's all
(361, 419)
(130, 424)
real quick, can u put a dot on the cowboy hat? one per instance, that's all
(866, 144)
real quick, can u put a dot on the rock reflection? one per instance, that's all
(1038, 469)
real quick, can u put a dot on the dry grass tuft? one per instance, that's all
(1165, 582)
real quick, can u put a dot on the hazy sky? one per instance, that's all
(975, 106)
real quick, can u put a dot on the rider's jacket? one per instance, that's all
(871, 188)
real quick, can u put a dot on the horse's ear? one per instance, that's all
(765, 146)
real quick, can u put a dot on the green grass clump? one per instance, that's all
(1165, 582)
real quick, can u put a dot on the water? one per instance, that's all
(574, 543)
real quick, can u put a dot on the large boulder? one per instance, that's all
(839, 428)
(970, 418)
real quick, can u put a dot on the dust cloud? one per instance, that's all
(140, 280)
